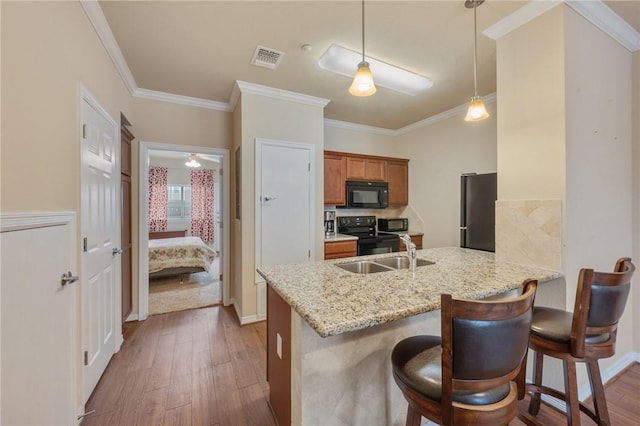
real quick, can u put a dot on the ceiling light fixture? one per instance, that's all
(192, 161)
(363, 80)
(341, 60)
(477, 111)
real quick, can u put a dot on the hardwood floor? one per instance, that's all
(199, 367)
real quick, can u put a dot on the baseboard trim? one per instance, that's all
(132, 317)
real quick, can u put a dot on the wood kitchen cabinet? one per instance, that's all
(398, 178)
(340, 249)
(335, 169)
(362, 168)
(342, 166)
(417, 240)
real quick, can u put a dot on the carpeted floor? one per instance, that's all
(195, 291)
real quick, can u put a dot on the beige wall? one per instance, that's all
(357, 141)
(599, 161)
(565, 133)
(264, 117)
(439, 154)
(48, 50)
(531, 109)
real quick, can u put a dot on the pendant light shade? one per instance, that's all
(363, 80)
(477, 110)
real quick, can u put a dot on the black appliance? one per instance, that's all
(478, 194)
(393, 225)
(367, 195)
(369, 242)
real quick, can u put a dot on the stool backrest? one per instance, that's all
(600, 301)
(484, 342)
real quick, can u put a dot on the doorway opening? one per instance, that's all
(183, 242)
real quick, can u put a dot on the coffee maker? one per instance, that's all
(329, 223)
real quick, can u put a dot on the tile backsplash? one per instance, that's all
(529, 232)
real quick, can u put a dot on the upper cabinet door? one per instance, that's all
(334, 179)
(398, 178)
(359, 168)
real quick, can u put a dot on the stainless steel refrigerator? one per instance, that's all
(478, 194)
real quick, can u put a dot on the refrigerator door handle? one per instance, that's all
(463, 228)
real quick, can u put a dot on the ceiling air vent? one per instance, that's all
(265, 57)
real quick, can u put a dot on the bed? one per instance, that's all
(172, 253)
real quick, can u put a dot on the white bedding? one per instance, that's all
(179, 252)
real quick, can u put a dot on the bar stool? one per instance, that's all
(587, 335)
(465, 376)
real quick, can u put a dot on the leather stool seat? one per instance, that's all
(555, 325)
(417, 361)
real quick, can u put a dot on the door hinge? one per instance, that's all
(84, 131)
(86, 357)
(309, 254)
(84, 244)
(221, 170)
(309, 164)
(220, 277)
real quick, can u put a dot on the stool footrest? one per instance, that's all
(533, 388)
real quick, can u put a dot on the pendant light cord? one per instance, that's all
(362, 30)
(475, 50)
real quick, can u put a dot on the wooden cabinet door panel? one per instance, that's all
(375, 170)
(356, 168)
(334, 179)
(340, 249)
(398, 178)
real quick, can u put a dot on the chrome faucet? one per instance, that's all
(412, 253)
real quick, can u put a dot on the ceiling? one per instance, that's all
(199, 49)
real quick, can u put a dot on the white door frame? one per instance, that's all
(143, 218)
(260, 142)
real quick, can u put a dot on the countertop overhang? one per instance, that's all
(335, 301)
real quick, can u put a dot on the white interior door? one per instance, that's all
(100, 233)
(39, 343)
(285, 202)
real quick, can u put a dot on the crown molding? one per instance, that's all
(358, 127)
(270, 92)
(518, 18)
(99, 22)
(459, 110)
(182, 100)
(600, 15)
(594, 11)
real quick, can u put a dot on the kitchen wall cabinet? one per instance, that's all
(335, 169)
(398, 178)
(341, 166)
(362, 168)
(340, 249)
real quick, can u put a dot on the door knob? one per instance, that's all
(116, 251)
(68, 278)
(267, 198)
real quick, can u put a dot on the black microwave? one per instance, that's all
(367, 195)
(393, 225)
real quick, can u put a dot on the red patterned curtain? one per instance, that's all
(157, 199)
(202, 204)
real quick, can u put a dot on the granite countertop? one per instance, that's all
(339, 237)
(333, 300)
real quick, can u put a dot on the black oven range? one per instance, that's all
(369, 241)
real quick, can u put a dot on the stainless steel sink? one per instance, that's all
(381, 265)
(364, 267)
(401, 262)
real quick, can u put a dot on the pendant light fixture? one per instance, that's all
(363, 80)
(192, 161)
(477, 111)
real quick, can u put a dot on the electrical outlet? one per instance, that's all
(279, 345)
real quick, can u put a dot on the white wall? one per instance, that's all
(635, 292)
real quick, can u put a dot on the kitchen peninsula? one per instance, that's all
(331, 331)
